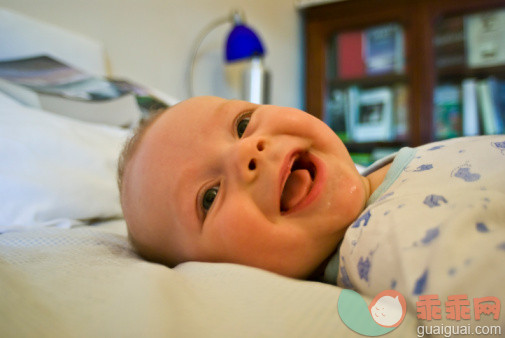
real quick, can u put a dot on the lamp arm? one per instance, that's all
(198, 42)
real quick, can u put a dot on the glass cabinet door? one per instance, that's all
(469, 95)
(367, 91)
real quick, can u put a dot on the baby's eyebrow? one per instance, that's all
(236, 106)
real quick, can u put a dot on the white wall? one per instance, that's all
(150, 40)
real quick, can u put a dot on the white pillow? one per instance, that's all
(55, 171)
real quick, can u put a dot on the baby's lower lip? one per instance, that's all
(316, 188)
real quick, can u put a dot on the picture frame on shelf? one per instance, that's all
(371, 114)
(485, 38)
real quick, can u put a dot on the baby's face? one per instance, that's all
(230, 181)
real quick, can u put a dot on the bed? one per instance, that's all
(66, 266)
(68, 270)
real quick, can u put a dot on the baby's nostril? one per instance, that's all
(260, 146)
(252, 164)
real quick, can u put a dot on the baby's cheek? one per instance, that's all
(349, 197)
(236, 230)
(357, 196)
(356, 203)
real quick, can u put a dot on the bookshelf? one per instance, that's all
(391, 73)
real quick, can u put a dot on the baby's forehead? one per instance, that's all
(198, 105)
(169, 146)
(208, 106)
(198, 117)
(186, 129)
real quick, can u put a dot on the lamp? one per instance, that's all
(244, 54)
(242, 41)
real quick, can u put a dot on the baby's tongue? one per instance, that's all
(297, 187)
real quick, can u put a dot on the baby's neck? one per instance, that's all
(376, 178)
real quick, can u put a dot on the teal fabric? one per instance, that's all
(401, 160)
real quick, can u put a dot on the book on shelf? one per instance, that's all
(471, 123)
(384, 49)
(350, 55)
(336, 113)
(371, 114)
(499, 99)
(401, 112)
(352, 110)
(447, 113)
(46, 83)
(449, 43)
(485, 38)
(491, 97)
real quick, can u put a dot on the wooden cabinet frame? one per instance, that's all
(418, 18)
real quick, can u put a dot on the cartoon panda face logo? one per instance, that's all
(388, 308)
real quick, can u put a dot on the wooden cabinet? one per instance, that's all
(419, 68)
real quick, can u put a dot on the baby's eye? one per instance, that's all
(208, 198)
(242, 124)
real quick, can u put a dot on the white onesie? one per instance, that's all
(436, 225)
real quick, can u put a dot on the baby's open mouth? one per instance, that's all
(298, 183)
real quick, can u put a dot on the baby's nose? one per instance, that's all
(248, 157)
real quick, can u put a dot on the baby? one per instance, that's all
(271, 187)
(216, 180)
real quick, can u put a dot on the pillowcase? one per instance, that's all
(55, 171)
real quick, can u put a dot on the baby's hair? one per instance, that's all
(131, 146)
(127, 153)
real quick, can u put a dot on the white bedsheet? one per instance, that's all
(87, 282)
(54, 170)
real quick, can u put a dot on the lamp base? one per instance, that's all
(251, 79)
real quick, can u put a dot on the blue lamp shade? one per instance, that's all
(243, 43)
